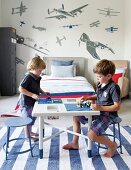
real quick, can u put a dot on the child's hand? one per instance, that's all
(94, 107)
(47, 93)
(83, 98)
(35, 96)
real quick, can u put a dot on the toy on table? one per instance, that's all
(48, 99)
(84, 103)
(48, 95)
(54, 100)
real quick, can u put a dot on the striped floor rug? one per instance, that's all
(55, 158)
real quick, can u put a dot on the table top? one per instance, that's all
(61, 108)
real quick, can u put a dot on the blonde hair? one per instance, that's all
(36, 63)
(104, 67)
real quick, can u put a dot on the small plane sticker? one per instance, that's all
(95, 24)
(108, 12)
(18, 60)
(71, 26)
(39, 28)
(59, 40)
(19, 10)
(22, 23)
(111, 29)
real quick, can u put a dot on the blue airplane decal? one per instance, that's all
(111, 29)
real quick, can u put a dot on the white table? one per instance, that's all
(58, 109)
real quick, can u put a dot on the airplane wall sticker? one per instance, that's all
(30, 39)
(111, 29)
(49, 12)
(19, 10)
(20, 40)
(43, 48)
(91, 46)
(39, 28)
(71, 26)
(18, 60)
(35, 45)
(65, 14)
(59, 40)
(21, 23)
(95, 24)
(108, 12)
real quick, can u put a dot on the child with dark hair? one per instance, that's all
(108, 102)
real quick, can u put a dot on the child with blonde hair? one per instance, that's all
(30, 89)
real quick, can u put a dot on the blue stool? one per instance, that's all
(17, 122)
(115, 122)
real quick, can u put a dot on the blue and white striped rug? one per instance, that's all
(55, 158)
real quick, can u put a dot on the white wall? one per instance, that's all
(127, 25)
(36, 13)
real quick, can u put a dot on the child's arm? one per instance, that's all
(93, 97)
(43, 92)
(112, 108)
(27, 93)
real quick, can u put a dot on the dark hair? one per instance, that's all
(104, 67)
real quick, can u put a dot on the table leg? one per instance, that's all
(43, 129)
(89, 141)
(41, 124)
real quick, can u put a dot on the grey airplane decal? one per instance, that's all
(18, 60)
(91, 46)
(30, 39)
(108, 12)
(59, 40)
(54, 10)
(95, 23)
(39, 28)
(65, 14)
(49, 12)
(20, 40)
(19, 10)
(43, 48)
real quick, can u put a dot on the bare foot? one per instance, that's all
(111, 151)
(32, 139)
(70, 146)
(34, 134)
